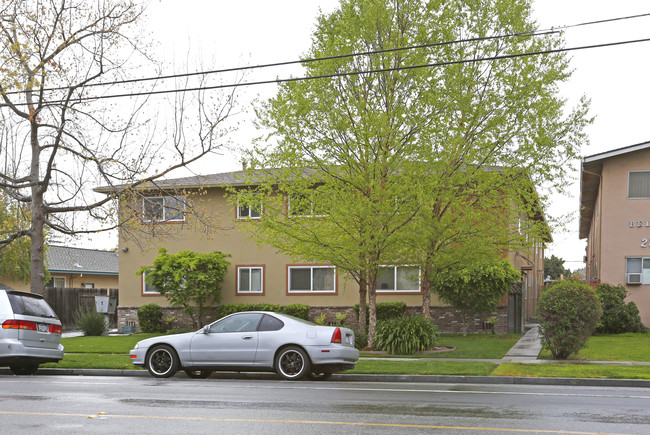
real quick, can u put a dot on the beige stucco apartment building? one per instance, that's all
(615, 220)
(258, 274)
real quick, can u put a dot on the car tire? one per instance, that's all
(21, 370)
(198, 374)
(162, 361)
(318, 375)
(292, 363)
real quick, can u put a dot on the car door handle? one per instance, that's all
(247, 337)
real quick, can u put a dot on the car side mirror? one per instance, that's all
(206, 329)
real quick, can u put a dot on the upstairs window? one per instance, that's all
(311, 204)
(639, 184)
(249, 211)
(638, 270)
(163, 209)
(398, 279)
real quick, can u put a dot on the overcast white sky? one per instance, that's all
(226, 33)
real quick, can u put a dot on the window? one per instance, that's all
(242, 322)
(88, 285)
(309, 205)
(163, 209)
(398, 279)
(250, 280)
(638, 270)
(249, 211)
(270, 323)
(58, 282)
(307, 279)
(639, 184)
(148, 289)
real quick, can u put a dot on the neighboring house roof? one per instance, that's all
(61, 259)
(591, 171)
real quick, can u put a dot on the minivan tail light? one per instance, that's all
(19, 324)
(55, 329)
(336, 337)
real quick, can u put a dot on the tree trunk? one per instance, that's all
(37, 264)
(372, 310)
(426, 294)
(363, 293)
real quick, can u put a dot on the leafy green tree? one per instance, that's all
(189, 280)
(404, 164)
(554, 267)
(477, 288)
(14, 257)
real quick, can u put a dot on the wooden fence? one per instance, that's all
(67, 301)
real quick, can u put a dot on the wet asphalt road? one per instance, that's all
(87, 404)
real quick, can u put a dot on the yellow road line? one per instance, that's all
(336, 423)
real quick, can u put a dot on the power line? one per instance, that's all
(345, 74)
(536, 33)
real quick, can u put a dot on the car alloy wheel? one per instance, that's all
(162, 361)
(292, 363)
(29, 369)
(198, 374)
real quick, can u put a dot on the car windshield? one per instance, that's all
(30, 305)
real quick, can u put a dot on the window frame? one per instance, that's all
(144, 286)
(239, 292)
(394, 289)
(55, 278)
(312, 267)
(629, 184)
(250, 209)
(313, 196)
(179, 198)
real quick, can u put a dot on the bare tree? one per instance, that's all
(60, 64)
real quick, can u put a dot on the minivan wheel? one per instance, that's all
(28, 369)
(292, 363)
(162, 361)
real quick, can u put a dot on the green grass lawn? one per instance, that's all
(572, 371)
(103, 344)
(613, 347)
(481, 346)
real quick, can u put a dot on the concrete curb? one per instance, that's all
(440, 379)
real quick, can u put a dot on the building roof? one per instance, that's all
(590, 173)
(62, 259)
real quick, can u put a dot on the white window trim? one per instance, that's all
(59, 277)
(311, 284)
(250, 278)
(418, 290)
(180, 198)
(628, 186)
(239, 216)
(144, 285)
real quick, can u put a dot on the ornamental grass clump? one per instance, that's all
(90, 322)
(569, 312)
(406, 335)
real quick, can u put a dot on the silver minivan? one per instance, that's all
(30, 333)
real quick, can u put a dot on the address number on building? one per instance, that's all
(644, 243)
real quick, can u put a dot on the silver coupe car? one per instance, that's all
(251, 341)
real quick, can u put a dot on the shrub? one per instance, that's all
(406, 335)
(297, 310)
(569, 311)
(360, 338)
(385, 310)
(617, 316)
(90, 322)
(150, 318)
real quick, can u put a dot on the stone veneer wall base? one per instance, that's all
(447, 319)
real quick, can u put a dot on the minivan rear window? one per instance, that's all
(30, 305)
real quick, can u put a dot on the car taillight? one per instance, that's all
(336, 337)
(19, 324)
(55, 329)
